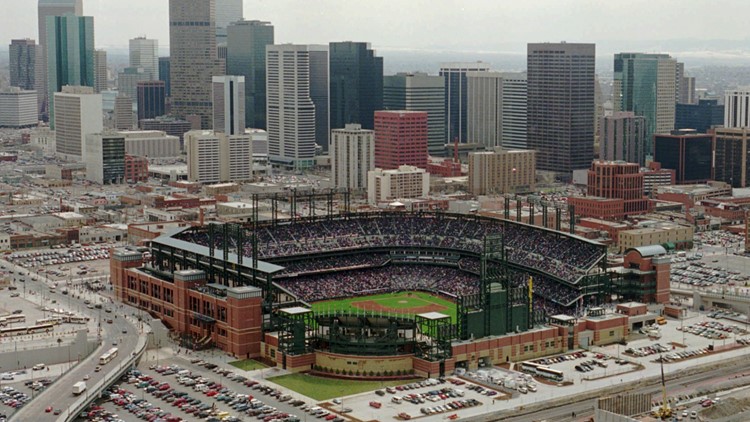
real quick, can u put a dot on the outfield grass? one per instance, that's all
(401, 302)
(322, 388)
(248, 364)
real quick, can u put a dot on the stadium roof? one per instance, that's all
(166, 240)
(651, 250)
(433, 315)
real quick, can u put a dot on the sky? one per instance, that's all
(438, 25)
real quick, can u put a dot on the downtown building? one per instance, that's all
(419, 92)
(496, 109)
(615, 190)
(456, 91)
(151, 99)
(737, 108)
(702, 116)
(101, 72)
(227, 11)
(246, 56)
(688, 153)
(193, 58)
(646, 84)
(144, 53)
(732, 156)
(79, 114)
(151, 143)
(104, 156)
(502, 171)
(229, 104)
(400, 139)
(356, 84)
(622, 137)
(560, 106)
(352, 156)
(23, 58)
(215, 157)
(18, 108)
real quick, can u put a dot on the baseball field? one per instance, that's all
(405, 303)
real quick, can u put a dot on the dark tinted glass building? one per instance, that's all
(22, 63)
(151, 99)
(703, 116)
(456, 98)
(560, 108)
(356, 84)
(164, 73)
(687, 152)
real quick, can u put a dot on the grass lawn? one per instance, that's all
(321, 388)
(247, 364)
(401, 302)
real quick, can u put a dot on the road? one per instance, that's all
(59, 395)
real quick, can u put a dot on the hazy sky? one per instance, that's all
(476, 25)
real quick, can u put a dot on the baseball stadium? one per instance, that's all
(374, 294)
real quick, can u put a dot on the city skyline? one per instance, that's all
(486, 26)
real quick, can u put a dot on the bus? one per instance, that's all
(549, 373)
(10, 319)
(107, 357)
(17, 331)
(76, 319)
(530, 367)
(40, 328)
(50, 320)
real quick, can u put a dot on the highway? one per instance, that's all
(121, 331)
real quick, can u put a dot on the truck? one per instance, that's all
(79, 388)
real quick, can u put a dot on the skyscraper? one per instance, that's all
(70, 53)
(419, 92)
(400, 139)
(686, 152)
(455, 97)
(193, 59)
(164, 73)
(646, 85)
(100, 71)
(218, 157)
(105, 158)
(151, 99)
(49, 8)
(290, 110)
(123, 113)
(229, 104)
(144, 53)
(737, 108)
(704, 115)
(246, 56)
(319, 91)
(623, 138)
(352, 156)
(496, 109)
(79, 114)
(227, 11)
(23, 63)
(356, 75)
(560, 116)
(128, 79)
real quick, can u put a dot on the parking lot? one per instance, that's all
(695, 273)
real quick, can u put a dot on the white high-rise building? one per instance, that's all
(144, 53)
(215, 157)
(104, 156)
(456, 97)
(229, 104)
(78, 113)
(496, 109)
(402, 183)
(737, 108)
(289, 108)
(18, 108)
(352, 156)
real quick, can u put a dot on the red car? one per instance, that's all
(48, 409)
(375, 404)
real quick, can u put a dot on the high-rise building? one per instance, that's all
(101, 72)
(560, 116)
(229, 104)
(732, 156)
(79, 114)
(151, 99)
(246, 56)
(319, 91)
(123, 114)
(218, 157)
(164, 73)
(128, 79)
(686, 152)
(170, 125)
(502, 171)
(356, 75)
(70, 53)
(49, 8)
(703, 116)
(737, 108)
(193, 57)
(454, 75)
(646, 85)
(496, 109)
(419, 92)
(104, 156)
(290, 110)
(400, 139)
(144, 53)
(403, 182)
(18, 108)
(227, 11)
(23, 64)
(687, 91)
(352, 156)
(622, 137)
